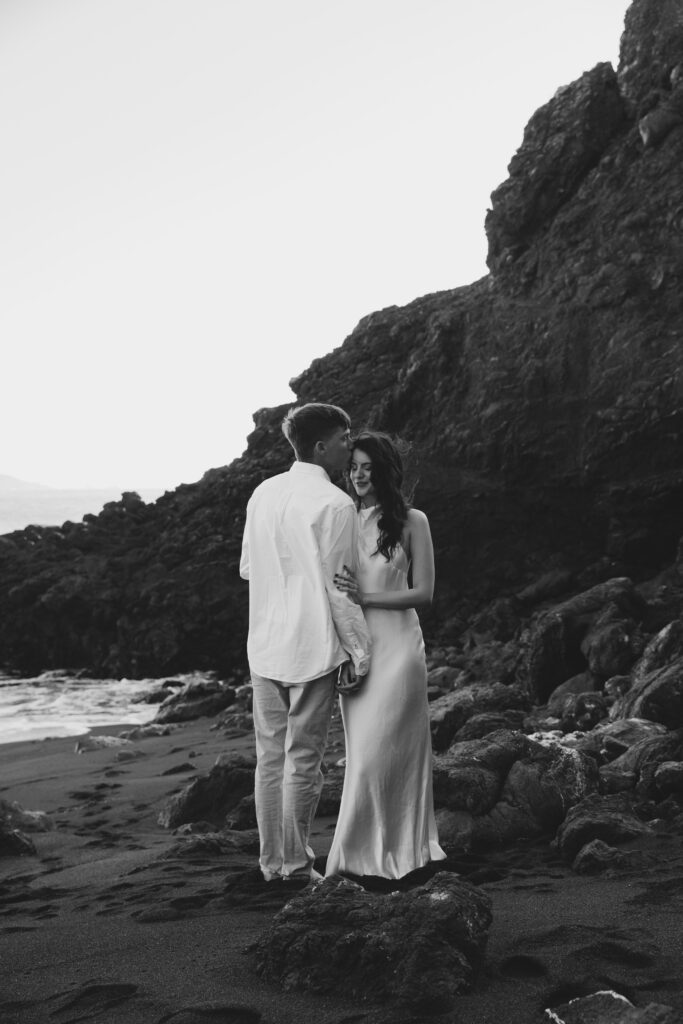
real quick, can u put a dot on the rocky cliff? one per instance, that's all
(545, 403)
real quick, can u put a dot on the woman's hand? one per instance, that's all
(347, 582)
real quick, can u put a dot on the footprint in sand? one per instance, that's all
(522, 967)
(90, 1000)
(205, 1013)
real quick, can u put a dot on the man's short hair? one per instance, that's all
(305, 425)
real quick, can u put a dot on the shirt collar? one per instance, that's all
(308, 468)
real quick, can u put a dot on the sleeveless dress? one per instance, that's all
(386, 825)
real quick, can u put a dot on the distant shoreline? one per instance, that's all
(50, 507)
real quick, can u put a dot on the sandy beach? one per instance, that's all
(109, 923)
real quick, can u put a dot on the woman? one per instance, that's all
(386, 825)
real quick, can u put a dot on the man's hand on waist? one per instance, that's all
(347, 680)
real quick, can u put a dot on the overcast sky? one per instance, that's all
(199, 197)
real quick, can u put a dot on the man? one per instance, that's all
(300, 531)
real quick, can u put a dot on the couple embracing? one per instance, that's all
(334, 582)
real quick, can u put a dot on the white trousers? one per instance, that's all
(291, 723)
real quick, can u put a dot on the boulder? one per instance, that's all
(609, 1007)
(13, 842)
(587, 743)
(212, 844)
(582, 682)
(508, 786)
(211, 797)
(143, 732)
(235, 723)
(656, 692)
(668, 778)
(487, 722)
(665, 648)
(537, 794)
(469, 776)
(14, 816)
(444, 678)
(456, 829)
(449, 713)
(607, 818)
(242, 817)
(618, 736)
(596, 857)
(196, 699)
(616, 687)
(421, 948)
(89, 743)
(624, 771)
(582, 712)
(553, 641)
(610, 647)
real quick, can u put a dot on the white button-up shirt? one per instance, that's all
(300, 531)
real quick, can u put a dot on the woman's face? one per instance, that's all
(360, 473)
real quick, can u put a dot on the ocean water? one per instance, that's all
(57, 704)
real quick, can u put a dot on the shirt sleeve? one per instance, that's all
(244, 559)
(338, 540)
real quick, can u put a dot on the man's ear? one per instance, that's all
(320, 448)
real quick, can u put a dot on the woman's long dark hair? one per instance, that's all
(385, 454)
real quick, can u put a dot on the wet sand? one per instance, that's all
(108, 924)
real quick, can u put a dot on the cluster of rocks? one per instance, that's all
(15, 822)
(572, 728)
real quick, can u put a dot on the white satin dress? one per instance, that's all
(386, 825)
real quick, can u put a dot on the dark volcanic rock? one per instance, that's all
(668, 778)
(619, 736)
(211, 797)
(625, 771)
(195, 700)
(14, 816)
(611, 820)
(582, 711)
(559, 641)
(596, 857)
(421, 947)
(507, 786)
(448, 714)
(583, 682)
(469, 776)
(563, 141)
(609, 1007)
(13, 843)
(487, 722)
(656, 691)
(537, 794)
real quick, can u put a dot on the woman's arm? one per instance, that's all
(419, 538)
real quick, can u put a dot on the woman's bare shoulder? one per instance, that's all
(416, 518)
